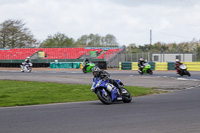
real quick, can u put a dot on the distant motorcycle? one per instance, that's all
(182, 70)
(88, 68)
(26, 67)
(146, 69)
(108, 93)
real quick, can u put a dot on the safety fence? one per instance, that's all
(162, 66)
(76, 65)
(65, 65)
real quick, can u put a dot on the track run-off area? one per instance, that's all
(173, 112)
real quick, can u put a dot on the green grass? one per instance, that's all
(20, 93)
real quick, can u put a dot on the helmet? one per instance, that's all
(86, 59)
(141, 59)
(177, 60)
(28, 58)
(95, 71)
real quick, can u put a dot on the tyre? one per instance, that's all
(188, 73)
(29, 70)
(181, 73)
(84, 71)
(140, 72)
(150, 71)
(127, 98)
(103, 98)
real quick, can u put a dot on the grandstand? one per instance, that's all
(57, 53)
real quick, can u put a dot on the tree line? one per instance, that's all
(14, 34)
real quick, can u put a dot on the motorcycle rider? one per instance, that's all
(103, 75)
(27, 61)
(85, 62)
(141, 64)
(177, 64)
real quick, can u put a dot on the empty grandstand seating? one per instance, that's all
(56, 53)
(51, 53)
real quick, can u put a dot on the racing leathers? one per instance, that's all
(103, 75)
(176, 65)
(141, 65)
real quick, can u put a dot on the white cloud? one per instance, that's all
(129, 21)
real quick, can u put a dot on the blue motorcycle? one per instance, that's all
(108, 93)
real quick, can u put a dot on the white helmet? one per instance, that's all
(177, 60)
(141, 59)
(28, 57)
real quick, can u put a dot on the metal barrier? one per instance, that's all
(163, 66)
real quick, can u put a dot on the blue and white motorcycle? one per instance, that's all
(26, 67)
(108, 93)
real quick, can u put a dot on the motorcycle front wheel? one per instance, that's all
(188, 73)
(150, 71)
(106, 99)
(127, 98)
(30, 69)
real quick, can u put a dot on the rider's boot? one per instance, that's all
(122, 90)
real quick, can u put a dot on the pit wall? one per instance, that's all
(162, 66)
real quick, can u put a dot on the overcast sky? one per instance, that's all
(130, 21)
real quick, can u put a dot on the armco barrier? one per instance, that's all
(192, 66)
(76, 65)
(134, 65)
(120, 66)
(171, 66)
(61, 64)
(161, 66)
(152, 65)
(126, 66)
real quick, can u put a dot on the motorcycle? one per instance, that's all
(26, 67)
(182, 70)
(108, 93)
(88, 68)
(146, 69)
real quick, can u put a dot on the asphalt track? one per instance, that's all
(160, 79)
(173, 112)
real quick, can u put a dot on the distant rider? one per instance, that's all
(141, 63)
(103, 75)
(27, 61)
(177, 64)
(85, 63)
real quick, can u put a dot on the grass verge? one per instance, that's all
(20, 93)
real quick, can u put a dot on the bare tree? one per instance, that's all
(13, 34)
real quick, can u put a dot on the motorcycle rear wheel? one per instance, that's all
(140, 72)
(84, 71)
(104, 99)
